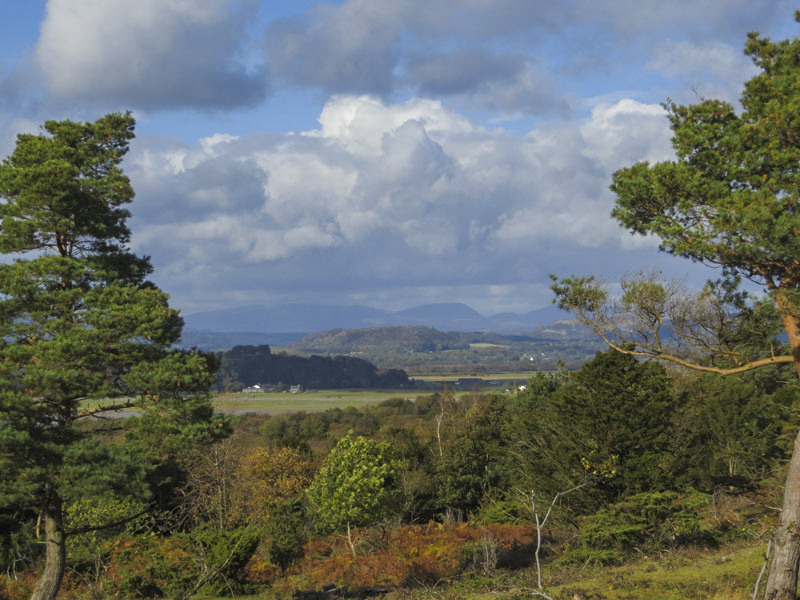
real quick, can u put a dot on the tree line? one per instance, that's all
(245, 366)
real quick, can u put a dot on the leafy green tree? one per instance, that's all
(257, 364)
(359, 484)
(82, 332)
(729, 200)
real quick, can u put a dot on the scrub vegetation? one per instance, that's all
(651, 480)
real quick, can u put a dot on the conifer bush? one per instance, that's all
(646, 522)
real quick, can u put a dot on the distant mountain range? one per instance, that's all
(299, 319)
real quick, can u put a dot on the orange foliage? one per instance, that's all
(260, 571)
(417, 554)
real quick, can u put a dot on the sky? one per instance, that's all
(388, 154)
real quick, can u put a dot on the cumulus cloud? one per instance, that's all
(396, 188)
(401, 194)
(149, 53)
(626, 132)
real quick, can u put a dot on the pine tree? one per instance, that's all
(82, 331)
(728, 200)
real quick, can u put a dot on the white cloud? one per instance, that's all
(396, 188)
(626, 132)
(360, 123)
(148, 53)
(397, 193)
(210, 143)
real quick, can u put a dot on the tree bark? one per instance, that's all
(55, 552)
(782, 580)
(350, 540)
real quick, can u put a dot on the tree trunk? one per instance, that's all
(55, 552)
(782, 580)
(350, 540)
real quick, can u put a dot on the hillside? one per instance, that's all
(406, 339)
(420, 349)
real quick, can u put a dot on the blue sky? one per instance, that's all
(382, 153)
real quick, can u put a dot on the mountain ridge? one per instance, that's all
(311, 318)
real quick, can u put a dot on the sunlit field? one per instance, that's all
(274, 402)
(306, 401)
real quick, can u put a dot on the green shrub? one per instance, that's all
(206, 560)
(285, 534)
(224, 553)
(644, 522)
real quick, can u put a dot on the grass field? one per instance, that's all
(305, 401)
(727, 573)
(285, 402)
(326, 399)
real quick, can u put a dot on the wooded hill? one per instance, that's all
(424, 349)
(245, 366)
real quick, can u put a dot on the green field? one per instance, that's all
(285, 402)
(309, 401)
(306, 401)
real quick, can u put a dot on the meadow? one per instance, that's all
(302, 401)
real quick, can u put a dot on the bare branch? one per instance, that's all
(749, 366)
(661, 320)
(111, 525)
